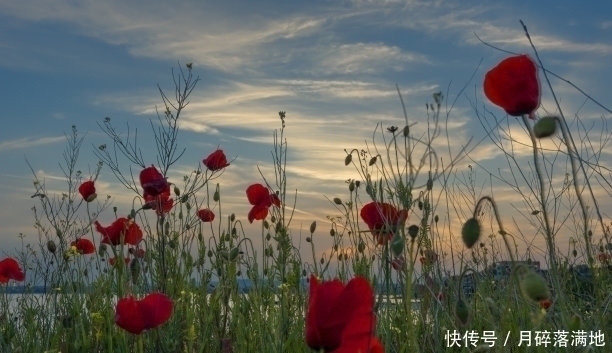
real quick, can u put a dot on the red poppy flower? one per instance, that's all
(88, 190)
(216, 161)
(136, 316)
(9, 269)
(84, 246)
(206, 215)
(153, 182)
(260, 197)
(383, 220)
(514, 86)
(121, 227)
(161, 203)
(340, 318)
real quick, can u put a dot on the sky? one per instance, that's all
(333, 66)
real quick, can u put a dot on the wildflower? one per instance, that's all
(88, 191)
(383, 220)
(514, 86)
(216, 161)
(9, 269)
(340, 317)
(136, 316)
(83, 246)
(161, 203)
(260, 197)
(153, 182)
(206, 215)
(121, 230)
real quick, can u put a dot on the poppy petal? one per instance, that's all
(257, 194)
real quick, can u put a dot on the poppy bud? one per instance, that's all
(397, 244)
(177, 192)
(352, 186)
(313, 226)
(51, 246)
(436, 218)
(101, 250)
(337, 201)
(545, 127)
(534, 287)
(406, 131)
(462, 312)
(332, 232)
(348, 159)
(322, 261)
(361, 246)
(429, 184)
(413, 231)
(470, 232)
(372, 161)
(135, 270)
(308, 239)
(209, 253)
(216, 196)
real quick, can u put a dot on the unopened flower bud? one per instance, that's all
(348, 159)
(413, 231)
(534, 287)
(51, 246)
(545, 127)
(313, 226)
(337, 201)
(470, 232)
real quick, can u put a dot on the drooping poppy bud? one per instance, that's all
(545, 127)
(470, 232)
(534, 286)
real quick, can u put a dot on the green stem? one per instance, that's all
(542, 199)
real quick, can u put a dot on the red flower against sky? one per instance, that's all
(216, 161)
(121, 227)
(161, 203)
(260, 197)
(340, 318)
(136, 316)
(84, 246)
(206, 215)
(153, 182)
(514, 86)
(9, 269)
(88, 190)
(383, 220)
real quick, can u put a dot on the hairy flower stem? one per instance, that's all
(502, 231)
(542, 199)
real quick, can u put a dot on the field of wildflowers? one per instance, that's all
(164, 276)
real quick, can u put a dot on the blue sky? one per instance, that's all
(332, 65)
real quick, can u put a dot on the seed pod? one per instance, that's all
(470, 232)
(545, 127)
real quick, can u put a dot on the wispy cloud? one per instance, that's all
(29, 142)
